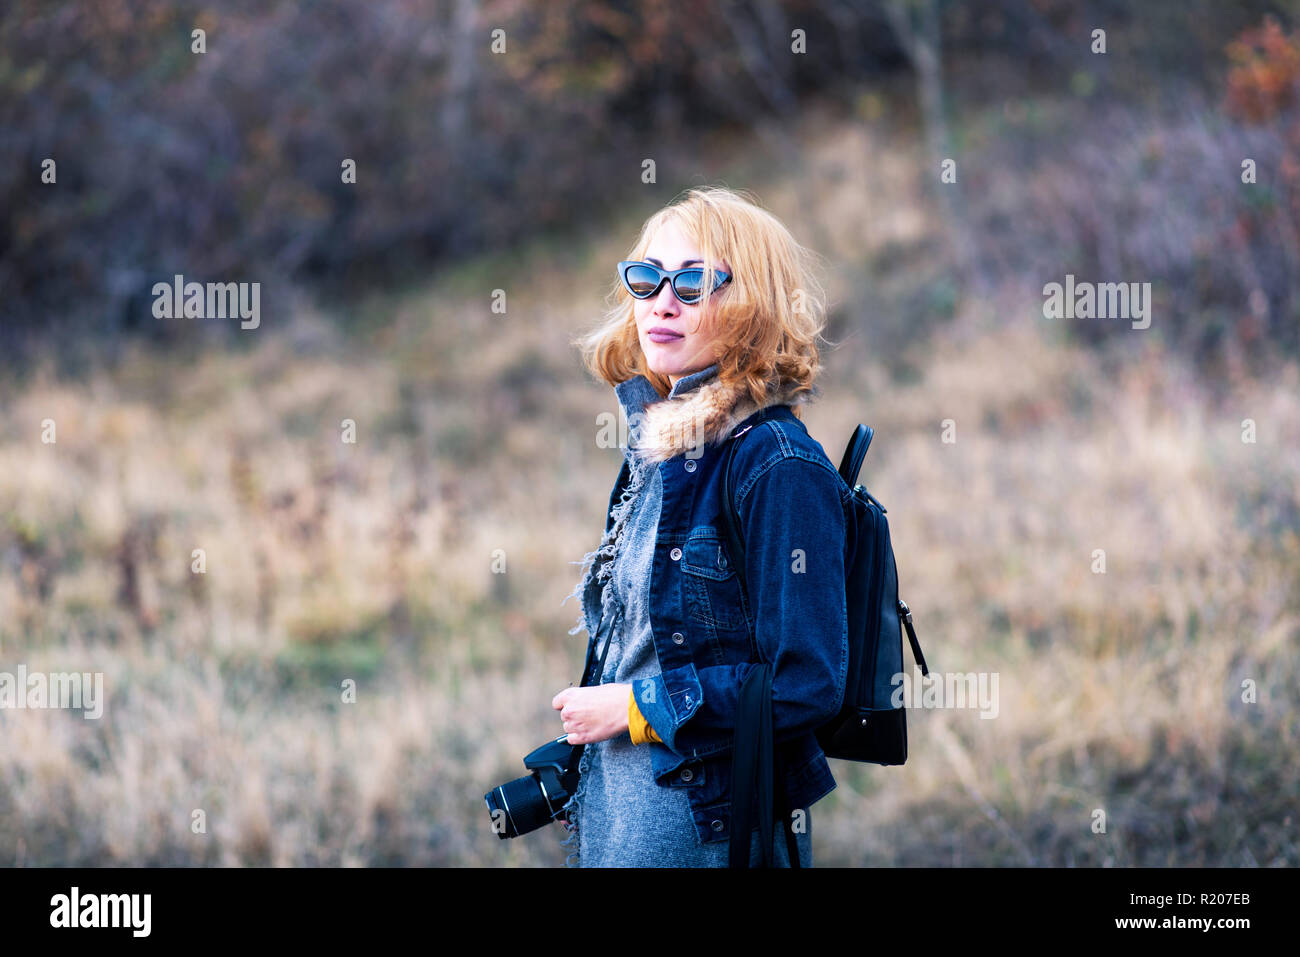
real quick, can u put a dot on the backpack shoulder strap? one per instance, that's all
(730, 521)
(753, 780)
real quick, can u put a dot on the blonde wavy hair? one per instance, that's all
(769, 318)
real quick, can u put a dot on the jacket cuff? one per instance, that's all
(637, 726)
(667, 700)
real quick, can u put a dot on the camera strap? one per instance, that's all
(599, 670)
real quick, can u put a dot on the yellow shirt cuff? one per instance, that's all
(638, 727)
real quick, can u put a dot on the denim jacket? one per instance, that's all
(793, 507)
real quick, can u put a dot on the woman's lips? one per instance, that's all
(662, 337)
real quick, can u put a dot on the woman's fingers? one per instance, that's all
(571, 725)
(592, 714)
(574, 727)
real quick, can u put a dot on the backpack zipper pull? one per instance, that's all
(911, 636)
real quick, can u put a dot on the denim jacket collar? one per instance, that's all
(636, 394)
(701, 410)
(689, 382)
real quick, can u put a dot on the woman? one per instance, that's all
(691, 370)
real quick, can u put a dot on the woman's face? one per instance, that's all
(670, 332)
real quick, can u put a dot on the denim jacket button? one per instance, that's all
(716, 825)
(678, 637)
(675, 554)
(690, 465)
(687, 774)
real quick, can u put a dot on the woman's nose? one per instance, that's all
(667, 299)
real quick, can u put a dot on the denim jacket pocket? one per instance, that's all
(689, 775)
(712, 591)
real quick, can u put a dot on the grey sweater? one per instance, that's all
(622, 818)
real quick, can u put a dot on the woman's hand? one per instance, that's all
(593, 713)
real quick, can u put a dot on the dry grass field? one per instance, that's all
(379, 561)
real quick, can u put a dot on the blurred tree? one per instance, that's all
(919, 27)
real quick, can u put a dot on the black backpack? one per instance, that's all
(868, 727)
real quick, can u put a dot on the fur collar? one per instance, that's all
(701, 410)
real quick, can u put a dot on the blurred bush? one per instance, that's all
(226, 165)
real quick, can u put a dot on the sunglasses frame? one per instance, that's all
(720, 279)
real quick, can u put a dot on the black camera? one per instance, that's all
(526, 803)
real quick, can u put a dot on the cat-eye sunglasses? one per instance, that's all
(643, 280)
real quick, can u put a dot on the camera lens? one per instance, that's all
(517, 807)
